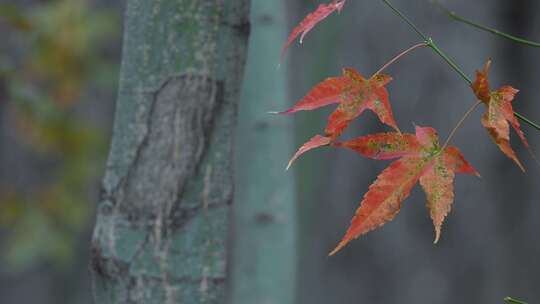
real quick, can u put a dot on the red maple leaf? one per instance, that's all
(355, 94)
(420, 159)
(309, 22)
(499, 113)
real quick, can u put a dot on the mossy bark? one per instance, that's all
(163, 217)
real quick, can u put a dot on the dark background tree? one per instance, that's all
(263, 266)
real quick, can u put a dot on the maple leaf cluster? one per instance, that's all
(417, 157)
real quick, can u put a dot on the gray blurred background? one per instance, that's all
(59, 63)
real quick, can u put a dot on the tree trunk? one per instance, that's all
(162, 222)
(264, 252)
(312, 62)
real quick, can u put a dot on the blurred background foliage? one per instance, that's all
(53, 60)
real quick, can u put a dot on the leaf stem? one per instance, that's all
(458, 125)
(429, 41)
(406, 19)
(449, 61)
(507, 36)
(389, 63)
(513, 301)
(527, 121)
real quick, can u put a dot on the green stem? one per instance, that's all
(409, 22)
(429, 41)
(450, 62)
(513, 301)
(527, 121)
(512, 38)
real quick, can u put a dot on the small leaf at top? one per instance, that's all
(309, 22)
(500, 114)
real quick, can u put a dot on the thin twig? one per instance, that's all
(406, 19)
(449, 61)
(512, 38)
(412, 48)
(527, 121)
(471, 109)
(513, 301)
(446, 58)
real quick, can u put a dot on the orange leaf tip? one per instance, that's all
(281, 112)
(437, 237)
(337, 249)
(315, 142)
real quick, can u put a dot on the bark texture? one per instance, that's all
(162, 222)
